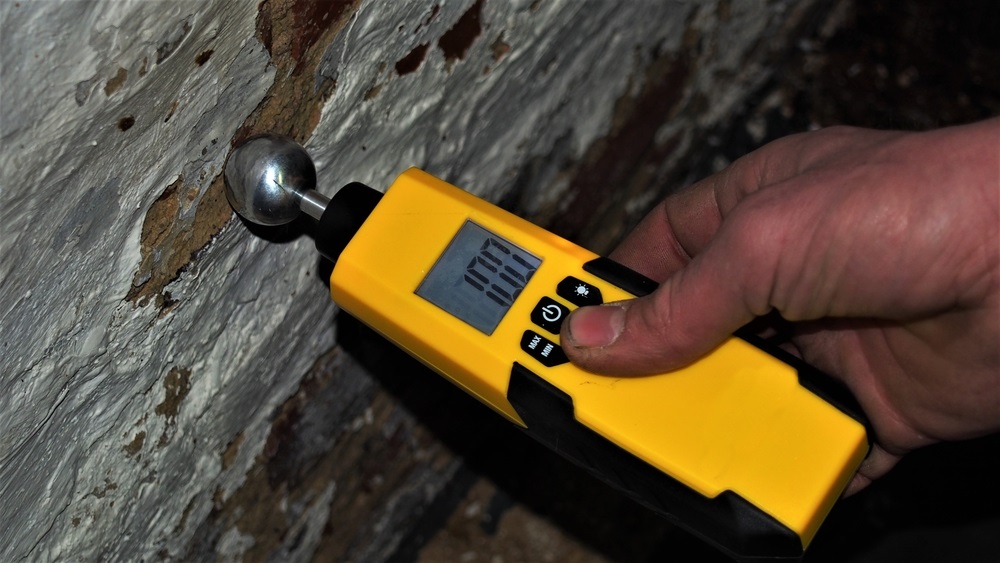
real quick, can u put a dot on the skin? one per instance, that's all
(881, 248)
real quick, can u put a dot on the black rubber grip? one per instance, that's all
(621, 276)
(343, 216)
(727, 521)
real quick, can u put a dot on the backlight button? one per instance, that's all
(579, 292)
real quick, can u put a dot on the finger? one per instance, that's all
(684, 223)
(694, 310)
(877, 464)
(673, 231)
(734, 246)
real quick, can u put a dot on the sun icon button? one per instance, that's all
(579, 292)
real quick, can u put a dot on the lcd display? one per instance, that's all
(478, 277)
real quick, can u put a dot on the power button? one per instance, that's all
(549, 314)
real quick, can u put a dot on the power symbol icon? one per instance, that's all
(551, 313)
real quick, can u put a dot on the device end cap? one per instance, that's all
(347, 211)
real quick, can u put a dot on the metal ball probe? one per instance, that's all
(270, 179)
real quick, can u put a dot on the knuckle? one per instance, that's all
(657, 328)
(757, 241)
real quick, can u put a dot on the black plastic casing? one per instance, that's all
(729, 522)
(347, 211)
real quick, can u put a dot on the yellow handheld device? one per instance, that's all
(749, 447)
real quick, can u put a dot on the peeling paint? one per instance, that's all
(172, 41)
(203, 57)
(77, 362)
(171, 110)
(373, 92)
(83, 90)
(116, 83)
(126, 123)
(102, 491)
(292, 106)
(232, 450)
(313, 18)
(435, 10)
(282, 29)
(133, 448)
(500, 48)
(87, 222)
(176, 387)
(457, 41)
(412, 61)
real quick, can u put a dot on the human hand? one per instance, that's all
(882, 249)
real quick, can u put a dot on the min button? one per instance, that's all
(542, 349)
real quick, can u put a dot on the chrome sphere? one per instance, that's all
(266, 177)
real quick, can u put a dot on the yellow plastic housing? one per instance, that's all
(736, 420)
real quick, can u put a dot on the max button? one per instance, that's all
(579, 292)
(549, 314)
(542, 349)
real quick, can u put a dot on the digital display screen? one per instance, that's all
(478, 277)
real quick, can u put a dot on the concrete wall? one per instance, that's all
(172, 384)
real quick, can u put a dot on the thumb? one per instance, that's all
(691, 313)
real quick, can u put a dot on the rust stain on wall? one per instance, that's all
(171, 110)
(101, 492)
(170, 240)
(372, 92)
(176, 385)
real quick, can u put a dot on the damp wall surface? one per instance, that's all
(173, 384)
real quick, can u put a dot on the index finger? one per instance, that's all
(680, 226)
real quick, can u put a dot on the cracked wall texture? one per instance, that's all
(156, 354)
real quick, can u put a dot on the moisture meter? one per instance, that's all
(748, 448)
